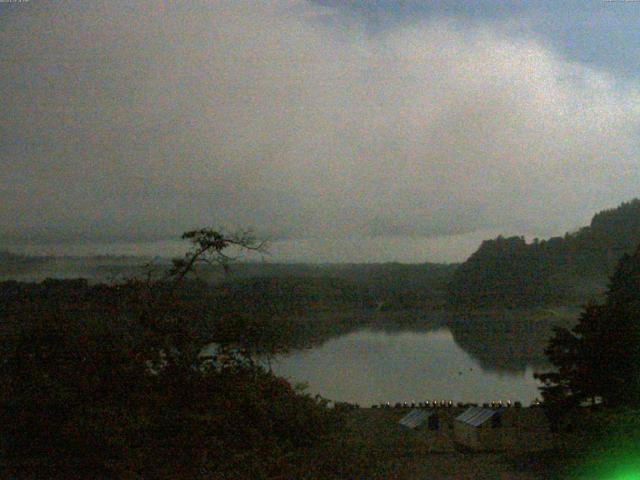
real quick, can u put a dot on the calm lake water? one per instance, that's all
(370, 366)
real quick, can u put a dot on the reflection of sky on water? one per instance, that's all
(371, 367)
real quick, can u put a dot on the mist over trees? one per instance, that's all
(569, 269)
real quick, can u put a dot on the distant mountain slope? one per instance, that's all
(573, 268)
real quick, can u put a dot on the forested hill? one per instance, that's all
(573, 268)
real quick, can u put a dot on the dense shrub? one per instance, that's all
(91, 388)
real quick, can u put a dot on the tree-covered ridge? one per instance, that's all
(573, 268)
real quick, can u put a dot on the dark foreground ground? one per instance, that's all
(388, 451)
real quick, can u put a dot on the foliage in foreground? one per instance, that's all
(78, 403)
(110, 382)
(600, 357)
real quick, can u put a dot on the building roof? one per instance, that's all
(415, 418)
(476, 416)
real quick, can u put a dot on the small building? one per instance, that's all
(417, 419)
(500, 429)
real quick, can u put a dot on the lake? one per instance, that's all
(370, 366)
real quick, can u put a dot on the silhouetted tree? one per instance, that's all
(600, 356)
(110, 382)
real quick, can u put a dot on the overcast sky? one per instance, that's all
(137, 120)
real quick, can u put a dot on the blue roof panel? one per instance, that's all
(414, 418)
(476, 416)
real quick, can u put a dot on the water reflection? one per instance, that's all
(370, 366)
(503, 345)
(452, 357)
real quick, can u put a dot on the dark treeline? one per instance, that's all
(570, 269)
(503, 272)
(592, 394)
(269, 320)
(600, 356)
(382, 285)
(96, 268)
(115, 381)
(385, 286)
(266, 316)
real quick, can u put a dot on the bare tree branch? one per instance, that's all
(208, 246)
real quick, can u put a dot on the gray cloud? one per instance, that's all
(132, 120)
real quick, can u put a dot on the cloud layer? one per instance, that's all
(130, 120)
